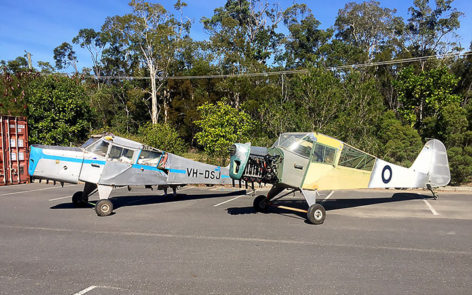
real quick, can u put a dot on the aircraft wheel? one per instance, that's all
(78, 200)
(261, 204)
(104, 207)
(316, 214)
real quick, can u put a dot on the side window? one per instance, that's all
(101, 148)
(323, 154)
(149, 158)
(121, 154)
(354, 158)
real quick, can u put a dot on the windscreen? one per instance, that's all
(298, 143)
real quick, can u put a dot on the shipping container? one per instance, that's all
(15, 153)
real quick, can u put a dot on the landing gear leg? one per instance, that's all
(435, 195)
(80, 199)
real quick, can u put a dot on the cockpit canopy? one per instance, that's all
(324, 149)
(298, 143)
(119, 149)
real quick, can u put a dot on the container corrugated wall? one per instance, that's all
(14, 154)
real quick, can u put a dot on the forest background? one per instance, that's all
(380, 82)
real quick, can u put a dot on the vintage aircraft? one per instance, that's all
(310, 162)
(109, 161)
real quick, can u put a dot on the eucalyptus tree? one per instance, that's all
(154, 35)
(243, 38)
(304, 40)
(367, 26)
(92, 41)
(431, 30)
(65, 56)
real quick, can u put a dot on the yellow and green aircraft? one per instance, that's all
(310, 162)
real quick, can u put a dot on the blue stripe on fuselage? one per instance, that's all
(177, 171)
(38, 154)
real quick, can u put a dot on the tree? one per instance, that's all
(156, 35)
(92, 41)
(319, 95)
(19, 64)
(65, 56)
(162, 136)
(368, 26)
(221, 126)
(424, 94)
(399, 143)
(58, 113)
(305, 38)
(429, 27)
(243, 39)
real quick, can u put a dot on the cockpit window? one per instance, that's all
(89, 142)
(121, 154)
(149, 158)
(100, 148)
(323, 154)
(354, 158)
(298, 143)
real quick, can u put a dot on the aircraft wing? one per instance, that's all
(186, 171)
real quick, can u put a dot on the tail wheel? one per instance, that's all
(79, 200)
(316, 214)
(104, 207)
(261, 203)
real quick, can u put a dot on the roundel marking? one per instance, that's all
(389, 175)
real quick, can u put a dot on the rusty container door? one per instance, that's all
(14, 154)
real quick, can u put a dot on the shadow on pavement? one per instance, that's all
(139, 200)
(330, 204)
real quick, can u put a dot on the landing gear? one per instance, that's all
(316, 214)
(104, 207)
(79, 200)
(261, 203)
(431, 189)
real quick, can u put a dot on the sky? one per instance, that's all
(39, 26)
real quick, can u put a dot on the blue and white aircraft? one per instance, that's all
(109, 161)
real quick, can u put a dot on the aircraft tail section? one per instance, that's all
(431, 167)
(433, 162)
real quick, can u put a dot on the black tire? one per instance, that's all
(316, 214)
(78, 200)
(261, 203)
(104, 207)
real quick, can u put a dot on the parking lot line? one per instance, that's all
(227, 201)
(34, 190)
(431, 207)
(65, 197)
(85, 290)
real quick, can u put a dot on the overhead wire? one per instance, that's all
(286, 72)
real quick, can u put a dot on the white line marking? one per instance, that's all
(328, 196)
(431, 208)
(85, 290)
(34, 190)
(228, 201)
(65, 197)
(310, 243)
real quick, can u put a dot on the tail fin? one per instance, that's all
(433, 161)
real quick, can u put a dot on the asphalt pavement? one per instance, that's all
(209, 240)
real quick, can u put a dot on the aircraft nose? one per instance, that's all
(35, 155)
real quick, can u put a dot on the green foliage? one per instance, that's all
(460, 162)
(424, 94)
(13, 88)
(58, 111)
(401, 143)
(163, 137)
(221, 126)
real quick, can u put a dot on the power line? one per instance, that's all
(289, 72)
